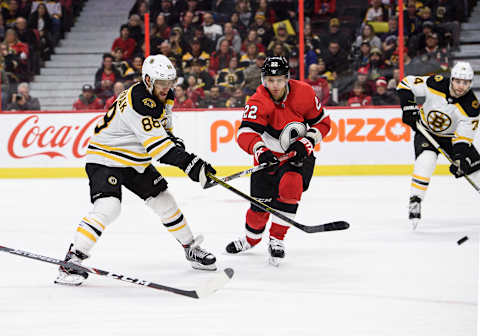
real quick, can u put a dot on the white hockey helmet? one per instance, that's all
(462, 70)
(157, 67)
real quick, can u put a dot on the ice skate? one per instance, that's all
(199, 258)
(238, 245)
(276, 251)
(68, 276)
(414, 211)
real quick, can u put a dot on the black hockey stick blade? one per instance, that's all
(215, 283)
(332, 226)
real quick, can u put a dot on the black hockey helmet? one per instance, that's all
(275, 66)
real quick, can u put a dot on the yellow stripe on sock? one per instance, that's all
(179, 228)
(87, 220)
(174, 215)
(419, 186)
(421, 178)
(87, 234)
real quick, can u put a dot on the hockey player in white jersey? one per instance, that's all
(450, 114)
(135, 131)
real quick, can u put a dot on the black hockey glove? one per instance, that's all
(410, 115)
(197, 170)
(303, 148)
(265, 155)
(460, 158)
(176, 140)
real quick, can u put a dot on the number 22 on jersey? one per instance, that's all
(250, 112)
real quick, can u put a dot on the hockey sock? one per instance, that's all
(91, 227)
(255, 225)
(164, 205)
(424, 167)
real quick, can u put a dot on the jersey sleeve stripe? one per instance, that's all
(152, 139)
(129, 95)
(438, 93)
(156, 144)
(246, 130)
(462, 139)
(401, 86)
(257, 128)
(142, 155)
(315, 120)
(460, 108)
(163, 148)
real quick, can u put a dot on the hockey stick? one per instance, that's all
(331, 226)
(435, 144)
(251, 170)
(208, 288)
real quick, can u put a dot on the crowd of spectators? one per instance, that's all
(219, 46)
(29, 32)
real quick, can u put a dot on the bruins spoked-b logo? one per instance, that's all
(438, 121)
(112, 180)
(149, 102)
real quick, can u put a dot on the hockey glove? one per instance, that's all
(197, 170)
(462, 163)
(265, 155)
(410, 115)
(303, 148)
(177, 141)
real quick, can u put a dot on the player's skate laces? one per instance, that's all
(238, 245)
(276, 250)
(70, 276)
(199, 258)
(414, 210)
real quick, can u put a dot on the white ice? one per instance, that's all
(377, 278)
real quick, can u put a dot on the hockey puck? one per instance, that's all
(463, 240)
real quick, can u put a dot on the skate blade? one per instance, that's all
(414, 223)
(198, 266)
(274, 261)
(69, 280)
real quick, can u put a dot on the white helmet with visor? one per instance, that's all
(158, 68)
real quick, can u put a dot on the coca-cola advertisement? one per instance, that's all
(46, 139)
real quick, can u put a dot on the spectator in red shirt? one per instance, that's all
(117, 89)
(181, 100)
(105, 76)
(87, 100)
(221, 58)
(319, 84)
(125, 42)
(359, 98)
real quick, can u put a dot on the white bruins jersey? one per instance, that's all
(133, 131)
(442, 114)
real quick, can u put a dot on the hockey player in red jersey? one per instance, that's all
(284, 115)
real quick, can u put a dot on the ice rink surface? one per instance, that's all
(377, 278)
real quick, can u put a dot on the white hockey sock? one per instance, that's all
(91, 227)
(424, 167)
(164, 205)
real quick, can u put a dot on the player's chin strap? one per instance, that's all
(435, 144)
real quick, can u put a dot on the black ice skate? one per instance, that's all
(238, 245)
(276, 251)
(414, 211)
(68, 276)
(199, 258)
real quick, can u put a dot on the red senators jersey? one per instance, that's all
(278, 124)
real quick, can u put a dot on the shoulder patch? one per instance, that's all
(438, 83)
(470, 104)
(149, 102)
(144, 103)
